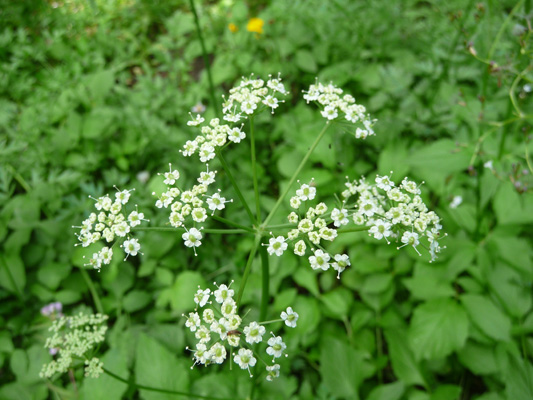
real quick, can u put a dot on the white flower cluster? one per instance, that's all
(214, 327)
(311, 227)
(330, 100)
(246, 98)
(394, 212)
(250, 95)
(73, 337)
(111, 222)
(190, 203)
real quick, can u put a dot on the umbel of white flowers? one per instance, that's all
(219, 325)
(75, 337)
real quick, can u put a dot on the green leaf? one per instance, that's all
(446, 392)
(512, 208)
(515, 251)
(183, 290)
(96, 122)
(307, 278)
(340, 367)
(511, 290)
(338, 302)
(402, 358)
(429, 282)
(390, 391)
(136, 300)
(438, 328)
(100, 83)
(487, 317)
(377, 283)
(519, 379)
(434, 163)
(12, 273)
(478, 358)
(305, 61)
(107, 387)
(156, 367)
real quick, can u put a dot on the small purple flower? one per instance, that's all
(52, 309)
(53, 351)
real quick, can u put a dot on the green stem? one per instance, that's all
(92, 289)
(254, 172)
(206, 59)
(265, 281)
(231, 223)
(248, 268)
(354, 229)
(22, 182)
(207, 230)
(152, 389)
(271, 321)
(502, 29)
(280, 226)
(236, 187)
(293, 178)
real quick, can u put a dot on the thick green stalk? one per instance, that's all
(353, 229)
(248, 268)
(92, 289)
(293, 178)
(152, 389)
(214, 104)
(254, 172)
(265, 282)
(236, 187)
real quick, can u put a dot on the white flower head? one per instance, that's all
(319, 260)
(306, 192)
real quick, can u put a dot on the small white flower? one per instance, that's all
(290, 317)
(131, 247)
(381, 229)
(202, 297)
(223, 293)
(341, 262)
(299, 248)
(218, 353)
(199, 214)
(306, 192)
(319, 260)
(245, 359)
(295, 202)
(276, 347)
(216, 202)
(277, 246)
(384, 182)
(196, 121)
(192, 238)
(330, 112)
(193, 321)
(228, 308)
(339, 217)
(135, 218)
(123, 196)
(272, 372)
(254, 333)
(456, 201)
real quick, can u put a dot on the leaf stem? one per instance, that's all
(92, 289)
(236, 187)
(152, 389)
(247, 268)
(295, 174)
(206, 230)
(206, 59)
(254, 172)
(265, 282)
(231, 223)
(353, 229)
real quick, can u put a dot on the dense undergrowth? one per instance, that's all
(98, 93)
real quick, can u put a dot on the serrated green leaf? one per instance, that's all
(390, 391)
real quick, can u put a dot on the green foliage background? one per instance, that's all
(94, 92)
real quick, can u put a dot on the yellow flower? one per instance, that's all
(255, 25)
(232, 27)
